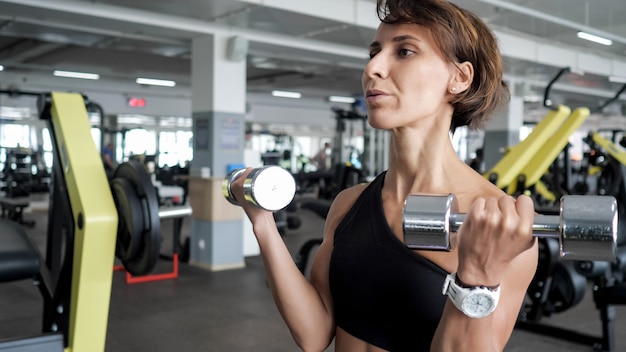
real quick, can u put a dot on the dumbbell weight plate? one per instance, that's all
(426, 221)
(589, 226)
(567, 288)
(270, 187)
(230, 178)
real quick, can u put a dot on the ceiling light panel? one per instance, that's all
(286, 94)
(80, 75)
(594, 38)
(155, 82)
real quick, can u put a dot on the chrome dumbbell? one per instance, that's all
(269, 187)
(586, 226)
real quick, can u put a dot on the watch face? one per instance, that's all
(478, 304)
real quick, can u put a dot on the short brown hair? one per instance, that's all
(460, 36)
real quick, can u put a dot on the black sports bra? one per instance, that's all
(383, 292)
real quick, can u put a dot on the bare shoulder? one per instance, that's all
(350, 195)
(341, 205)
(321, 265)
(480, 188)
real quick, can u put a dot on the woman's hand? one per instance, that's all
(254, 213)
(494, 232)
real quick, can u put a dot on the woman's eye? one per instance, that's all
(372, 54)
(405, 52)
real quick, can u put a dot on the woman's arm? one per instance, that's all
(305, 306)
(496, 246)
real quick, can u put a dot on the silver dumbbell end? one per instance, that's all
(586, 228)
(269, 187)
(589, 226)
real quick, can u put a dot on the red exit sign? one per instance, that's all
(135, 102)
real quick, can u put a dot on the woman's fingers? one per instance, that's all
(494, 232)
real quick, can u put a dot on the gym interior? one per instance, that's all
(122, 121)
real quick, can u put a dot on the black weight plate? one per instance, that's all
(567, 287)
(136, 174)
(130, 224)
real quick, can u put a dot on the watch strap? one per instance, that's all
(464, 285)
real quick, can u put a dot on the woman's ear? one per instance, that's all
(463, 75)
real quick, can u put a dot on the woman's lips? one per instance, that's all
(373, 95)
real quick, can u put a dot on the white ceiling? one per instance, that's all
(289, 49)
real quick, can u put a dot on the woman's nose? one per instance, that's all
(376, 67)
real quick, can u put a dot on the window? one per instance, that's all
(12, 136)
(139, 142)
(175, 148)
(48, 155)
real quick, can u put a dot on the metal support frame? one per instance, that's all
(86, 216)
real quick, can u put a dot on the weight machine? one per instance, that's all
(23, 170)
(524, 167)
(608, 278)
(348, 166)
(559, 285)
(506, 173)
(75, 279)
(90, 222)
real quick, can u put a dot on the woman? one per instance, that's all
(433, 67)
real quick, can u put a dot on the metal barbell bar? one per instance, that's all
(174, 211)
(586, 227)
(269, 187)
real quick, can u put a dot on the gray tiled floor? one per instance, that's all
(231, 310)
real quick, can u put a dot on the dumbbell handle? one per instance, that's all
(543, 226)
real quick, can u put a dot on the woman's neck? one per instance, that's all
(423, 162)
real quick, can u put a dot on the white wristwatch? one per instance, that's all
(475, 301)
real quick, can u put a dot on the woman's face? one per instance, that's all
(406, 79)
